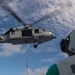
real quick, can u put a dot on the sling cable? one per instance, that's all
(27, 67)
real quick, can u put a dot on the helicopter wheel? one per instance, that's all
(35, 46)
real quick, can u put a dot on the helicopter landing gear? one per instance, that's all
(35, 45)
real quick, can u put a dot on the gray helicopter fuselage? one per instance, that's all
(24, 36)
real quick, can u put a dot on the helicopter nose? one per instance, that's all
(51, 34)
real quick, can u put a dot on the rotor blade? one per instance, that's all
(5, 6)
(42, 19)
(62, 7)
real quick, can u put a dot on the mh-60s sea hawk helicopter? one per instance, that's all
(26, 34)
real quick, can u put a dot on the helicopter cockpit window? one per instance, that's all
(36, 30)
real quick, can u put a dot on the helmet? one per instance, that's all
(68, 43)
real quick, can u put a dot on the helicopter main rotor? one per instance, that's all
(6, 6)
(66, 5)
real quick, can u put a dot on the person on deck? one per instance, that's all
(67, 66)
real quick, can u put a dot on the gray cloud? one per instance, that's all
(38, 71)
(9, 49)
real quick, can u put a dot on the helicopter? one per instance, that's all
(26, 34)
